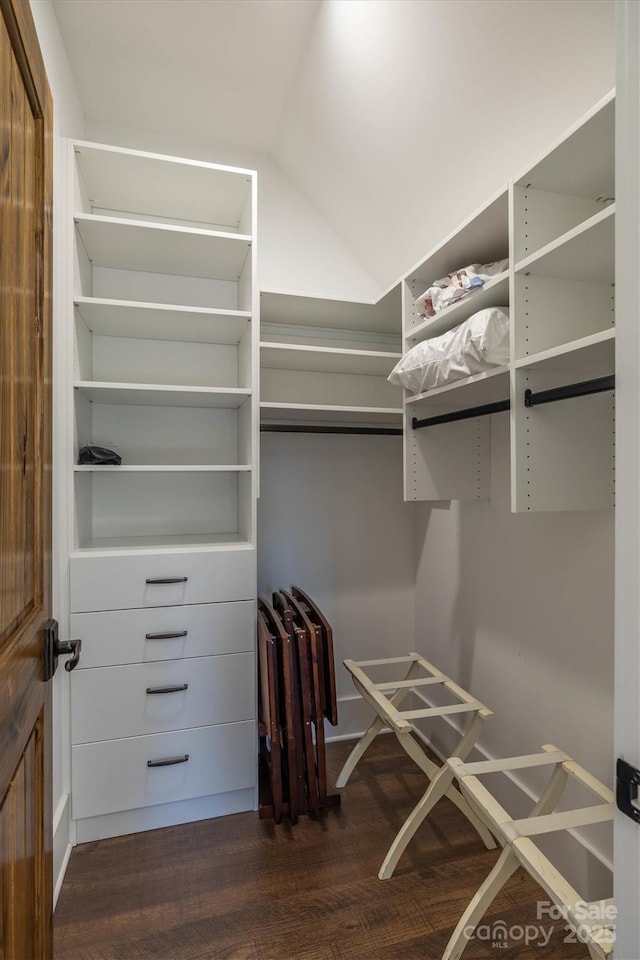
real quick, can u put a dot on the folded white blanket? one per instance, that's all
(478, 344)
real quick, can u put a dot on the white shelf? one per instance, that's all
(593, 355)
(328, 414)
(312, 311)
(161, 248)
(585, 253)
(166, 187)
(285, 356)
(112, 546)
(561, 301)
(487, 387)
(162, 395)
(483, 238)
(162, 468)
(495, 293)
(160, 321)
(582, 163)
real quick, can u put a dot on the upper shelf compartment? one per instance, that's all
(565, 291)
(327, 361)
(160, 321)
(585, 252)
(569, 185)
(140, 185)
(161, 248)
(483, 238)
(495, 293)
(285, 356)
(336, 316)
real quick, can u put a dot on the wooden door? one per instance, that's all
(25, 489)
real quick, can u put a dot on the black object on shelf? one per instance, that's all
(93, 454)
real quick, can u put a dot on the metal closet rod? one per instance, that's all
(582, 389)
(600, 385)
(482, 411)
(318, 428)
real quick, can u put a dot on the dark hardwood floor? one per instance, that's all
(238, 888)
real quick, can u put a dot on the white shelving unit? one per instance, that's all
(451, 461)
(165, 358)
(556, 224)
(562, 219)
(165, 320)
(326, 361)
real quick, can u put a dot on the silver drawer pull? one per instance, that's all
(177, 688)
(166, 579)
(168, 762)
(165, 636)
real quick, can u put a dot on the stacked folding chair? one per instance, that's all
(297, 692)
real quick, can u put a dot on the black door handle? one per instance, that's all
(55, 648)
(73, 647)
(627, 783)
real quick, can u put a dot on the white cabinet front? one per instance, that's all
(142, 771)
(142, 698)
(113, 637)
(154, 580)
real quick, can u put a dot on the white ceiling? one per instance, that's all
(395, 118)
(422, 109)
(219, 70)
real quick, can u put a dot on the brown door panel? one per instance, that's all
(25, 489)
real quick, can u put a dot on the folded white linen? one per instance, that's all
(478, 344)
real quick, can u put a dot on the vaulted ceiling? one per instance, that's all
(396, 118)
(202, 69)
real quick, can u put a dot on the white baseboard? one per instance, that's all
(164, 815)
(61, 844)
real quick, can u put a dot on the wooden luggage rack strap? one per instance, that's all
(385, 699)
(593, 921)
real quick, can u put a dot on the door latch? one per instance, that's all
(627, 783)
(55, 648)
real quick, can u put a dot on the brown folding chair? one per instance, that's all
(313, 634)
(298, 636)
(329, 699)
(268, 718)
(290, 711)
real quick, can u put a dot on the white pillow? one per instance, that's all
(478, 344)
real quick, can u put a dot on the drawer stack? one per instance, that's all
(163, 703)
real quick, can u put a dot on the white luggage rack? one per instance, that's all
(385, 699)
(593, 922)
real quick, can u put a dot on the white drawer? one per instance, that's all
(114, 775)
(135, 636)
(112, 702)
(122, 582)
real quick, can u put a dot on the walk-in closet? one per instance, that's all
(341, 653)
